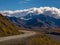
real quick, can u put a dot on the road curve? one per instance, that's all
(16, 38)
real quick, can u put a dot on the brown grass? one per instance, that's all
(7, 28)
(39, 39)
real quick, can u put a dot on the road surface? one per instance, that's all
(16, 38)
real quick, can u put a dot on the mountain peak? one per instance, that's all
(50, 11)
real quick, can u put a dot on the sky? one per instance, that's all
(25, 4)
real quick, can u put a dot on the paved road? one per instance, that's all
(17, 38)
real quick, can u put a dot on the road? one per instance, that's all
(16, 38)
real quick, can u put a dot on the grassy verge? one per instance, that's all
(40, 39)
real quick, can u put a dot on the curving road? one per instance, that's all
(16, 38)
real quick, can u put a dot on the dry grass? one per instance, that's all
(39, 39)
(7, 28)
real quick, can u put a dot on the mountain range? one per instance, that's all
(35, 18)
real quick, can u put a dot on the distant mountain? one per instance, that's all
(33, 20)
(50, 11)
(15, 20)
(6, 27)
(48, 20)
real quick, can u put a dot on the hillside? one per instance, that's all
(6, 27)
(40, 39)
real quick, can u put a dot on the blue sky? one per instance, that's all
(23, 4)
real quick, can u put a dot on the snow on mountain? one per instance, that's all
(50, 11)
(35, 17)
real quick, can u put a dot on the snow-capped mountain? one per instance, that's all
(35, 17)
(50, 11)
(35, 21)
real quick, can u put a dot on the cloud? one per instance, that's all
(50, 11)
(24, 1)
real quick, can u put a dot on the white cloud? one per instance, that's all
(24, 1)
(51, 11)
